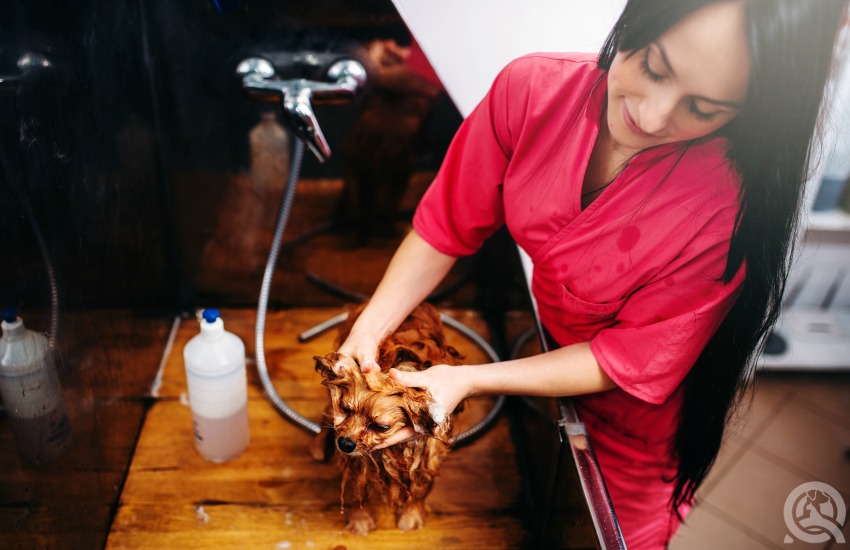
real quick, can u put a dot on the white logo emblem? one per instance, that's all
(815, 512)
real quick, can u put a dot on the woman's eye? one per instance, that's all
(647, 70)
(700, 115)
(382, 428)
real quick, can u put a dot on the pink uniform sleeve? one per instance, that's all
(663, 327)
(463, 206)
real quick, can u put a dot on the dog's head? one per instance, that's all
(369, 408)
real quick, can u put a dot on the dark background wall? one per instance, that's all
(79, 160)
(125, 152)
(116, 156)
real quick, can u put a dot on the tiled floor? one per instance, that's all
(797, 431)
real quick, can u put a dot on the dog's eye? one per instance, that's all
(382, 428)
(344, 409)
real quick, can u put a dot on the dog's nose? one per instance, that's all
(346, 445)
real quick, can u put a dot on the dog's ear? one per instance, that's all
(332, 365)
(328, 366)
(426, 416)
(324, 366)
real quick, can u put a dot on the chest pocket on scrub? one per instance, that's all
(579, 313)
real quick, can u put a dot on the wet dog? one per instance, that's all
(366, 409)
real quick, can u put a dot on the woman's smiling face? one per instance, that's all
(686, 84)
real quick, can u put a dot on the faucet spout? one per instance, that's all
(299, 110)
(346, 76)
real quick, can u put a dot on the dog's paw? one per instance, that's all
(360, 522)
(412, 518)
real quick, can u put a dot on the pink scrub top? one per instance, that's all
(636, 273)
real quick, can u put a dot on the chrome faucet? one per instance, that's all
(29, 65)
(259, 81)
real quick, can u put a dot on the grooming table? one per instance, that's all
(274, 495)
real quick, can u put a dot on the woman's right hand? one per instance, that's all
(415, 270)
(364, 348)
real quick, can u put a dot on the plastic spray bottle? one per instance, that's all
(218, 389)
(32, 396)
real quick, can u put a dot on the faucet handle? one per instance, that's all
(348, 73)
(259, 66)
(30, 65)
(257, 79)
(260, 83)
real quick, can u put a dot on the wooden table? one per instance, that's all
(106, 366)
(274, 495)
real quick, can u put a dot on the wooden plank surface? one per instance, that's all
(108, 359)
(274, 495)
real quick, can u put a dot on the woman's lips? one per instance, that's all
(631, 125)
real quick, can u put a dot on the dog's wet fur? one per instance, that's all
(366, 409)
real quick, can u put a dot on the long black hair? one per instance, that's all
(791, 47)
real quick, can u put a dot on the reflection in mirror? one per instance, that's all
(227, 172)
(384, 143)
(138, 182)
(31, 393)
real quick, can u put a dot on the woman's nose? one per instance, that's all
(655, 114)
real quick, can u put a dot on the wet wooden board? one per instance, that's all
(107, 362)
(275, 495)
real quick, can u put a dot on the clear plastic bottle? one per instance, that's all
(218, 390)
(32, 396)
(269, 145)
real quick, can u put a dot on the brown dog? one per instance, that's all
(366, 409)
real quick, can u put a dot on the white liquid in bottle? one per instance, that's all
(218, 390)
(220, 439)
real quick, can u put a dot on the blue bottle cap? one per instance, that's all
(10, 314)
(210, 315)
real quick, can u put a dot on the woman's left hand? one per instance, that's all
(448, 386)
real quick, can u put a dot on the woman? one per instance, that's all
(656, 188)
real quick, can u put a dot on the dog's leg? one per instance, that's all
(412, 517)
(411, 511)
(360, 521)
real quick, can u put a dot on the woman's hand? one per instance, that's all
(364, 348)
(447, 385)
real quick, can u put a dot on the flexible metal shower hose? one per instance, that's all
(262, 308)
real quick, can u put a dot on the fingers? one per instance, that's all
(400, 436)
(363, 353)
(414, 379)
(402, 377)
(369, 365)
